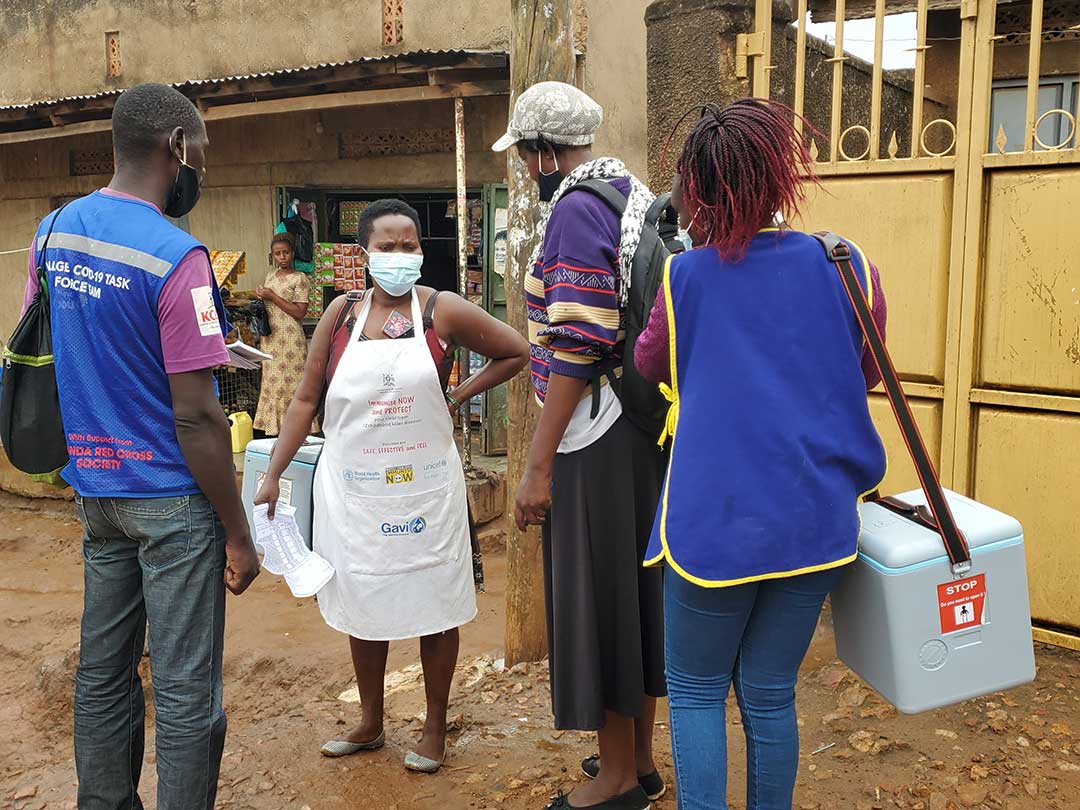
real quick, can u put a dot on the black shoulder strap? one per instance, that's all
(943, 522)
(343, 315)
(604, 190)
(429, 310)
(43, 280)
(657, 209)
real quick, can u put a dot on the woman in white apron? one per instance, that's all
(390, 501)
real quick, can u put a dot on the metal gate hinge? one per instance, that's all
(747, 45)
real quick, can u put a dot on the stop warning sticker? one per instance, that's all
(962, 603)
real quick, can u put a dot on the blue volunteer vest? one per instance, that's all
(773, 443)
(107, 261)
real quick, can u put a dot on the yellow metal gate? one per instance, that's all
(960, 178)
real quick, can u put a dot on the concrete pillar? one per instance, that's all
(691, 60)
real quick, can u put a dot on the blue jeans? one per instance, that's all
(160, 563)
(755, 635)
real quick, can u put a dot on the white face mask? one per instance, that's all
(396, 273)
(684, 237)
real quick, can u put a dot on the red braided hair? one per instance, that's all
(741, 164)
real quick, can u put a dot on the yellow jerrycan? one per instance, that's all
(242, 432)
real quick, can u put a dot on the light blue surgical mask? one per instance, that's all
(396, 273)
(684, 237)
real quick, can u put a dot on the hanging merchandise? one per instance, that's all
(304, 232)
(349, 217)
(258, 318)
(934, 610)
(228, 266)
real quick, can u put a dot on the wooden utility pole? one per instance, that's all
(541, 49)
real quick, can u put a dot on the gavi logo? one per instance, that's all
(414, 526)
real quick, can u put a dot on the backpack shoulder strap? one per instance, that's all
(343, 315)
(657, 209)
(429, 311)
(604, 190)
(43, 283)
(839, 254)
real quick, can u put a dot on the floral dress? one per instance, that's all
(288, 346)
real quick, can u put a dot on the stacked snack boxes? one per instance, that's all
(315, 302)
(339, 266)
(349, 216)
(324, 264)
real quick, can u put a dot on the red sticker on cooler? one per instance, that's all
(962, 603)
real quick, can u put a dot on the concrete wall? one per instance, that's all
(691, 59)
(56, 48)
(615, 77)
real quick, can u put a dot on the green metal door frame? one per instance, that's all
(493, 414)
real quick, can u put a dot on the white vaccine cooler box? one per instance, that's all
(296, 482)
(922, 636)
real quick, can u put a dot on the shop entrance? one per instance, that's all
(336, 213)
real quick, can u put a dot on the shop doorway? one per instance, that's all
(336, 213)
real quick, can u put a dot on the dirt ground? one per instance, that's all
(285, 672)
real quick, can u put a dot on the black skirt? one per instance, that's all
(604, 610)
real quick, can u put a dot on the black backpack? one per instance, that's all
(641, 399)
(305, 239)
(31, 427)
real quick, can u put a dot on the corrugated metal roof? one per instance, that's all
(269, 74)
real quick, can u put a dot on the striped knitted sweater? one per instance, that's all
(571, 293)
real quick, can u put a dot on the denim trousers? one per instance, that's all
(755, 636)
(157, 564)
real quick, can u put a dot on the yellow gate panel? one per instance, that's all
(902, 222)
(1023, 463)
(1031, 286)
(901, 475)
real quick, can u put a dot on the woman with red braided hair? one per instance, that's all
(772, 446)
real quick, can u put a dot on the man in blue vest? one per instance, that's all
(137, 328)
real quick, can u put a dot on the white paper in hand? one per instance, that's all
(285, 553)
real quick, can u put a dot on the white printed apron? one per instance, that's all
(391, 513)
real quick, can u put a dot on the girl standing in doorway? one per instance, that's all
(287, 295)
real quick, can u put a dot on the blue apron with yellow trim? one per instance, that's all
(773, 444)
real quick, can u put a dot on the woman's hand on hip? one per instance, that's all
(533, 498)
(269, 492)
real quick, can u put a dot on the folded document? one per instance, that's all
(286, 554)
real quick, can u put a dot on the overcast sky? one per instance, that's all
(859, 39)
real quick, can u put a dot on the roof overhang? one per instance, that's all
(419, 76)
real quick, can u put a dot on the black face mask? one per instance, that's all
(549, 183)
(186, 190)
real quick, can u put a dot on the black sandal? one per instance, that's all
(635, 799)
(651, 783)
